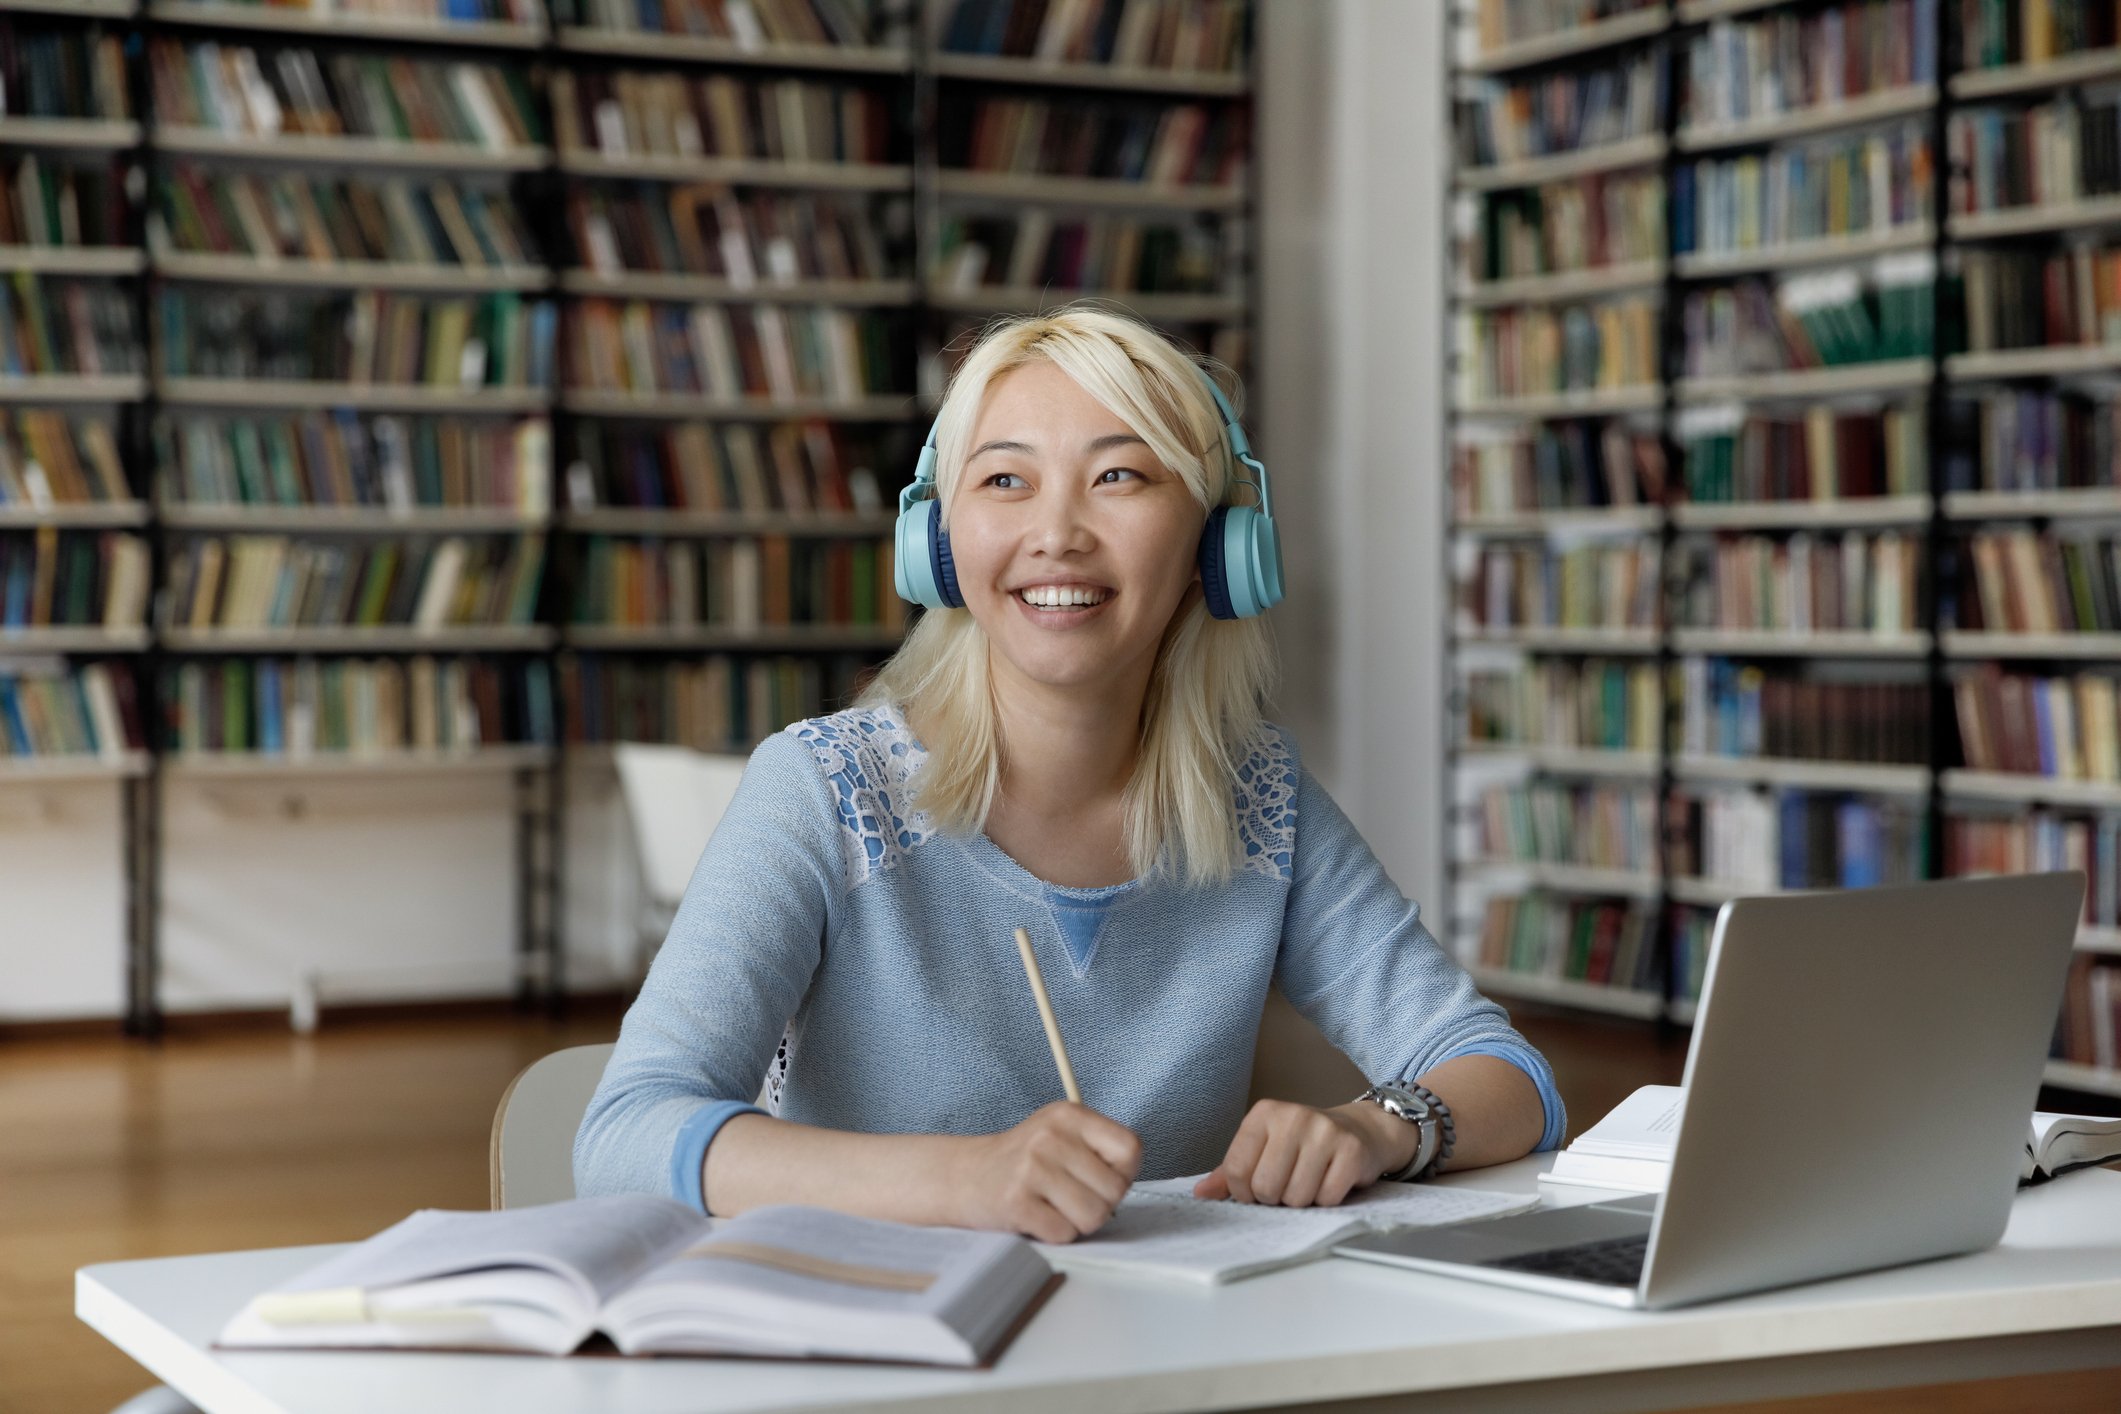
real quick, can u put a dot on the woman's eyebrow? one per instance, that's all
(1095, 444)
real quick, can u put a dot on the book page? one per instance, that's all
(598, 1244)
(2061, 1141)
(793, 1279)
(1643, 1126)
(1162, 1229)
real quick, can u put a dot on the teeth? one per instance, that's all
(1057, 597)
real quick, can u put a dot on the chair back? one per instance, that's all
(674, 797)
(531, 1156)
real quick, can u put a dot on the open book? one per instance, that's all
(1162, 1230)
(1631, 1148)
(659, 1278)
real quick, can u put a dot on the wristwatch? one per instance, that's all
(1419, 1106)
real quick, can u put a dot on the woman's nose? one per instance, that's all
(1062, 522)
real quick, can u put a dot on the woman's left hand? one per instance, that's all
(1296, 1156)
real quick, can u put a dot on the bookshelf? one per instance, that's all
(1870, 482)
(370, 288)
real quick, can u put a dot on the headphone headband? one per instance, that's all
(1239, 555)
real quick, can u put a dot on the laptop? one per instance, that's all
(1861, 1073)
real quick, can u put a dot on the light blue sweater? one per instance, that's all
(833, 944)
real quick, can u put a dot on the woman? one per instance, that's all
(1077, 750)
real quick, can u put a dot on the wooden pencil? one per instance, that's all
(1045, 1014)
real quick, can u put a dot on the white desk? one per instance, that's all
(2047, 1298)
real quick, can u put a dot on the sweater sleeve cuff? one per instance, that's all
(1542, 1076)
(688, 1156)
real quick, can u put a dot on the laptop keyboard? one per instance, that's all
(1615, 1261)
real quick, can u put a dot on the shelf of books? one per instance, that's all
(1094, 150)
(410, 387)
(1786, 475)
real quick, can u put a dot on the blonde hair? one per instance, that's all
(1201, 715)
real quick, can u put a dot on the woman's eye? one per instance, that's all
(1117, 471)
(1002, 476)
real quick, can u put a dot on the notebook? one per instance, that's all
(658, 1278)
(1161, 1230)
(1630, 1150)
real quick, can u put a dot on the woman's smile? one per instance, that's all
(1062, 605)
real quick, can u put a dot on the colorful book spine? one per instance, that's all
(1188, 36)
(751, 24)
(1588, 585)
(2018, 299)
(375, 707)
(1555, 466)
(1602, 942)
(2034, 439)
(2048, 154)
(1157, 144)
(2063, 728)
(293, 91)
(1566, 110)
(345, 459)
(51, 459)
(2035, 840)
(1743, 710)
(53, 200)
(1583, 224)
(717, 703)
(2017, 581)
(59, 70)
(754, 238)
(1802, 583)
(68, 327)
(1536, 350)
(1791, 61)
(1587, 825)
(1796, 839)
(790, 468)
(723, 351)
(89, 710)
(1994, 34)
(250, 582)
(741, 583)
(1501, 22)
(1099, 254)
(1868, 184)
(69, 579)
(1744, 454)
(1816, 320)
(362, 337)
(630, 113)
(1580, 704)
(323, 218)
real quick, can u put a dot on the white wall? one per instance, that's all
(1355, 124)
(394, 890)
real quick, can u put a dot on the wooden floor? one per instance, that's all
(249, 1136)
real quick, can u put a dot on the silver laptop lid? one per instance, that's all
(1862, 1071)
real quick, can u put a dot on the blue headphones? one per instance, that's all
(1240, 550)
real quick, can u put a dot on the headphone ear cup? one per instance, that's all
(1213, 582)
(913, 556)
(1240, 562)
(946, 571)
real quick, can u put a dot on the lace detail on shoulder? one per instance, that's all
(1266, 807)
(869, 757)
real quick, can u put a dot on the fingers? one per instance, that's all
(1081, 1208)
(1243, 1156)
(1312, 1159)
(1214, 1185)
(1342, 1177)
(1290, 1155)
(1118, 1145)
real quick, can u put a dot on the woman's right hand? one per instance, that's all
(1055, 1177)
